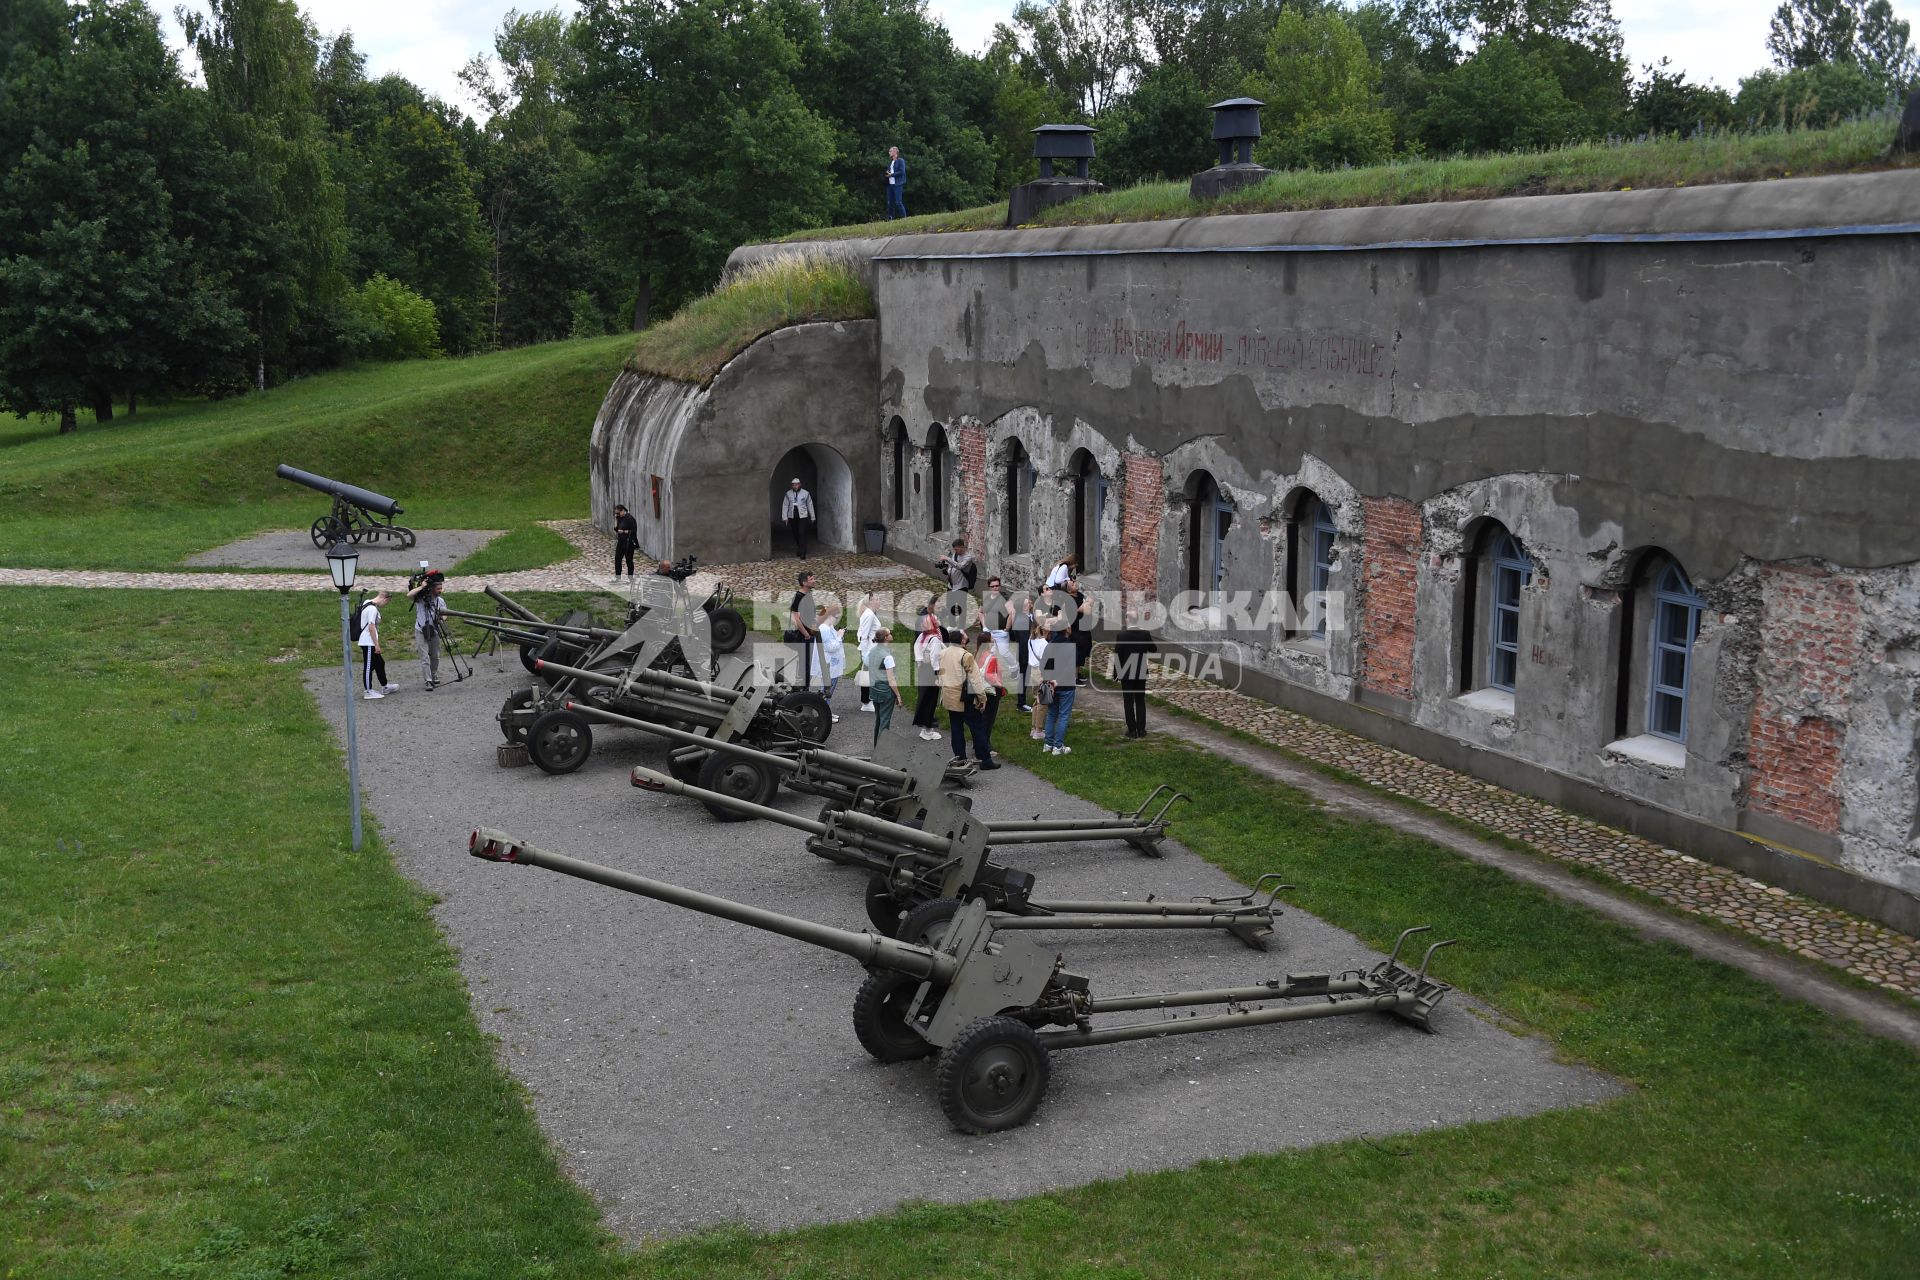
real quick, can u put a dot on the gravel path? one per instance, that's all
(694, 1072)
(294, 549)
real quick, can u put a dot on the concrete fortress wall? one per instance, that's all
(1722, 381)
(798, 401)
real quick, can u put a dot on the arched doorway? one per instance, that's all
(825, 474)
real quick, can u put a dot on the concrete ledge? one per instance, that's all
(1774, 830)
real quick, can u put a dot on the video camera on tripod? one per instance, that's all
(429, 581)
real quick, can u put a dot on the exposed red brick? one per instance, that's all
(970, 481)
(1809, 644)
(1390, 560)
(1143, 507)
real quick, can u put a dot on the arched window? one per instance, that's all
(898, 431)
(1210, 516)
(1676, 624)
(1511, 570)
(1310, 557)
(1019, 476)
(1089, 509)
(939, 467)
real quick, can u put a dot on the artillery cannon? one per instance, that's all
(923, 873)
(740, 705)
(978, 999)
(574, 639)
(356, 515)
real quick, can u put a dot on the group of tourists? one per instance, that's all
(968, 655)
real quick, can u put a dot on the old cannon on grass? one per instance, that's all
(979, 999)
(357, 513)
(921, 873)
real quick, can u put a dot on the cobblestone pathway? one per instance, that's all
(1807, 928)
(1870, 951)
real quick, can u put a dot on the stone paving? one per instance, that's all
(1870, 951)
(1867, 950)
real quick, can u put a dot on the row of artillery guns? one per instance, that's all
(951, 972)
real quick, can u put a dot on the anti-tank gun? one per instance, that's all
(983, 1001)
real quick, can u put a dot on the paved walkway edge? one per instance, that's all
(1791, 977)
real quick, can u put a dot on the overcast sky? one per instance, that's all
(428, 40)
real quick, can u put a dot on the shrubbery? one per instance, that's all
(385, 320)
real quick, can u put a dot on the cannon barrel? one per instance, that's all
(653, 780)
(869, 949)
(378, 503)
(530, 626)
(519, 611)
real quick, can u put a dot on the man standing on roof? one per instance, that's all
(896, 184)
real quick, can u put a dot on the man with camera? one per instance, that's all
(429, 616)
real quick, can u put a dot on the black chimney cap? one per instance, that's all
(1063, 141)
(1236, 118)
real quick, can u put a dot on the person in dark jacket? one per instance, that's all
(896, 184)
(1130, 652)
(626, 536)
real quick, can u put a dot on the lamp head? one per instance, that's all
(343, 563)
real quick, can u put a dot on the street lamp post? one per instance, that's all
(342, 562)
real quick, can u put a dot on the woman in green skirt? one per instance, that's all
(885, 689)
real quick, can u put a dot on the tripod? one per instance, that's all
(451, 647)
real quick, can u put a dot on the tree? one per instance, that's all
(259, 58)
(1318, 84)
(391, 321)
(1500, 99)
(1814, 97)
(697, 139)
(1158, 130)
(101, 282)
(1665, 102)
(1087, 50)
(1812, 33)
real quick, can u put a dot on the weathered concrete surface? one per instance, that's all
(692, 1072)
(715, 449)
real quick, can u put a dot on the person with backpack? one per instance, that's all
(964, 695)
(373, 660)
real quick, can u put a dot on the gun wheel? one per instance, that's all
(880, 1018)
(992, 1078)
(727, 629)
(325, 532)
(560, 741)
(927, 923)
(809, 715)
(512, 729)
(739, 778)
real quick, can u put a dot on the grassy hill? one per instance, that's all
(1854, 147)
(494, 441)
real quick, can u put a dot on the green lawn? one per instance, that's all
(231, 1048)
(491, 442)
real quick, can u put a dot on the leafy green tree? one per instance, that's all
(1666, 102)
(1812, 33)
(259, 58)
(1017, 99)
(391, 322)
(1575, 43)
(1501, 99)
(1087, 50)
(697, 139)
(1161, 129)
(1318, 84)
(102, 285)
(1813, 97)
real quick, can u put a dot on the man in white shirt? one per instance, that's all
(373, 660)
(796, 508)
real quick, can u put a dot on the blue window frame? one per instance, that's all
(1676, 624)
(1512, 570)
(1099, 518)
(1323, 535)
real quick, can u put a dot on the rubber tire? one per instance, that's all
(560, 741)
(993, 1076)
(883, 909)
(730, 774)
(879, 1018)
(519, 699)
(929, 918)
(728, 630)
(529, 654)
(814, 717)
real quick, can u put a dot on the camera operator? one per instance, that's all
(958, 567)
(429, 615)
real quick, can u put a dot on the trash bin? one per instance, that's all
(876, 537)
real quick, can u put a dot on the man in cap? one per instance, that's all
(796, 508)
